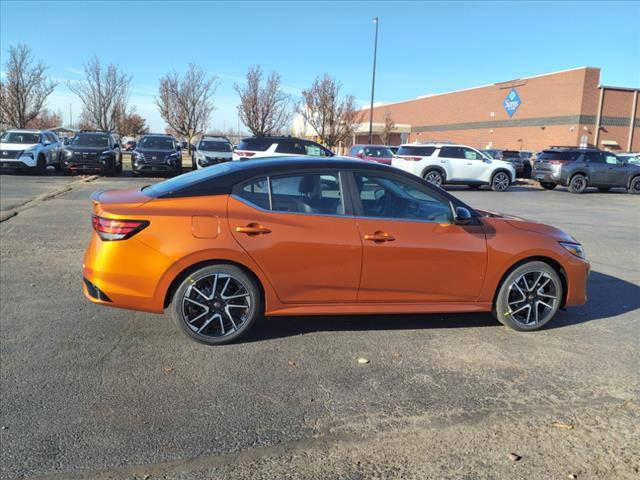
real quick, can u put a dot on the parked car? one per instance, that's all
(157, 153)
(581, 168)
(393, 148)
(211, 150)
(444, 163)
(372, 153)
(260, 147)
(130, 145)
(633, 158)
(522, 166)
(93, 151)
(30, 150)
(222, 246)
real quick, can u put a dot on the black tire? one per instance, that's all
(435, 177)
(511, 312)
(120, 166)
(112, 169)
(578, 183)
(634, 185)
(41, 165)
(500, 181)
(208, 279)
(548, 185)
(604, 189)
(58, 164)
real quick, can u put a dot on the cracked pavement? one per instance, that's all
(97, 393)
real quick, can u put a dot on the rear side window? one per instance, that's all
(451, 152)
(258, 144)
(307, 193)
(256, 192)
(552, 155)
(416, 151)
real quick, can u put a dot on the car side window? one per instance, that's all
(307, 193)
(593, 157)
(314, 149)
(290, 147)
(471, 154)
(391, 197)
(256, 192)
(451, 152)
(610, 159)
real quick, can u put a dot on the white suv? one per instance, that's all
(445, 163)
(210, 151)
(257, 147)
(30, 149)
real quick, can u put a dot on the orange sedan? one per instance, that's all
(228, 244)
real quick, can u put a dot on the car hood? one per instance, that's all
(16, 146)
(212, 153)
(528, 225)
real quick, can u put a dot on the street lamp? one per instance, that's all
(373, 81)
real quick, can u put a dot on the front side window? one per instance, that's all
(471, 154)
(391, 197)
(451, 152)
(314, 150)
(610, 159)
(307, 193)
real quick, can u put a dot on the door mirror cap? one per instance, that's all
(463, 216)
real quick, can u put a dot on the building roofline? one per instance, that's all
(624, 89)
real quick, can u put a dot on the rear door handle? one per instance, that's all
(253, 229)
(379, 237)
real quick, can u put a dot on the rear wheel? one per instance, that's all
(548, 185)
(500, 182)
(578, 183)
(435, 177)
(529, 297)
(634, 185)
(41, 165)
(217, 304)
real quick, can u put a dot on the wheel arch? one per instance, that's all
(632, 178)
(438, 168)
(502, 169)
(537, 258)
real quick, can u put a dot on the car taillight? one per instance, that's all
(109, 229)
(558, 162)
(242, 153)
(411, 159)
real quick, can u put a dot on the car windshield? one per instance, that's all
(20, 137)
(214, 146)
(191, 178)
(157, 143)
(378, 152)
(90, 140)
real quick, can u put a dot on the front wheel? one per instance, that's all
(578, 183)
(500, 182)
(634, 185)
(217, 304)
(548, 185)
(529, 297)
(434, 177)
(41, 165)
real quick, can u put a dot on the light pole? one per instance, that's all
(373, 81)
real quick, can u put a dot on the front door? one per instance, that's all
(412, 251)
(295, 228)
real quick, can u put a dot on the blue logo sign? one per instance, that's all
(512, 102)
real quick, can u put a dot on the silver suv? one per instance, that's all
(30, 150)
(211, 150)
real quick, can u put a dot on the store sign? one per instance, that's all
(512, 102)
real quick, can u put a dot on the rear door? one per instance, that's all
(453, 161)
(295, 228)
(596, 168)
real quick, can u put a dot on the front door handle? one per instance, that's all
(379, 237)
(253, 229)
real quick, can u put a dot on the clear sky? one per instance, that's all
(423, 47)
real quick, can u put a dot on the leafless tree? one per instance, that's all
(263, 109)
(45, 120)
(331, 116)
(104, 94)
(388, 128)
(186, 104)
(25, 90)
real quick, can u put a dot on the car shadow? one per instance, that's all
(608, 297)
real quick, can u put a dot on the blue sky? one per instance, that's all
(424, 47)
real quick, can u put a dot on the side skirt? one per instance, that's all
(378, 308)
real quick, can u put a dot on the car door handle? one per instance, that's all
(379, 237)
(253, 229)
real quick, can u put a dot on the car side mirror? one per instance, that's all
(463, 216)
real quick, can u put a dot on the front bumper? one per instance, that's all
(13, 164)
(155, 168)
(20, 161)
(72, 166)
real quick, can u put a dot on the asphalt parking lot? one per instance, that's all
(96, 393)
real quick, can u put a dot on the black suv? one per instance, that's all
(522, 166)
(580, 168)
(93, 151)
(157, 153)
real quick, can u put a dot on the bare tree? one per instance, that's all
(263, 109)
(388, 128)
(24, 92)
(186, 104)
(46, 120)
(331, 116)
(104, 94)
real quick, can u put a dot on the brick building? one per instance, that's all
(561, 108)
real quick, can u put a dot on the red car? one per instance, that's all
(372, 153)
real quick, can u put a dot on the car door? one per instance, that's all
(412, 251)
(596, 168)
(617, 171)
(474, 165)
(452, 160)
(295, 228)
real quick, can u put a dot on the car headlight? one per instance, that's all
(575, 249)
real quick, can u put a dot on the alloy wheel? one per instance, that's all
(635, 185)
(578, 183)
(434, 177)
(500, 182)
(216, 305)
(532, 298)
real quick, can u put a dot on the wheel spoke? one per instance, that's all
(224, 289)
(193, 287)
(526, 285)
(545, 304)
(541, 294)
(204, 325)
(229, 297)
(191, 300)
(235, 327)
(520, 309)
(536, 281)
(528, 314)
(199, 316)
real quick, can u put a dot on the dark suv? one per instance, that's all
(93, 151)
(522, 166)
(580, 168)
(157, 153)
